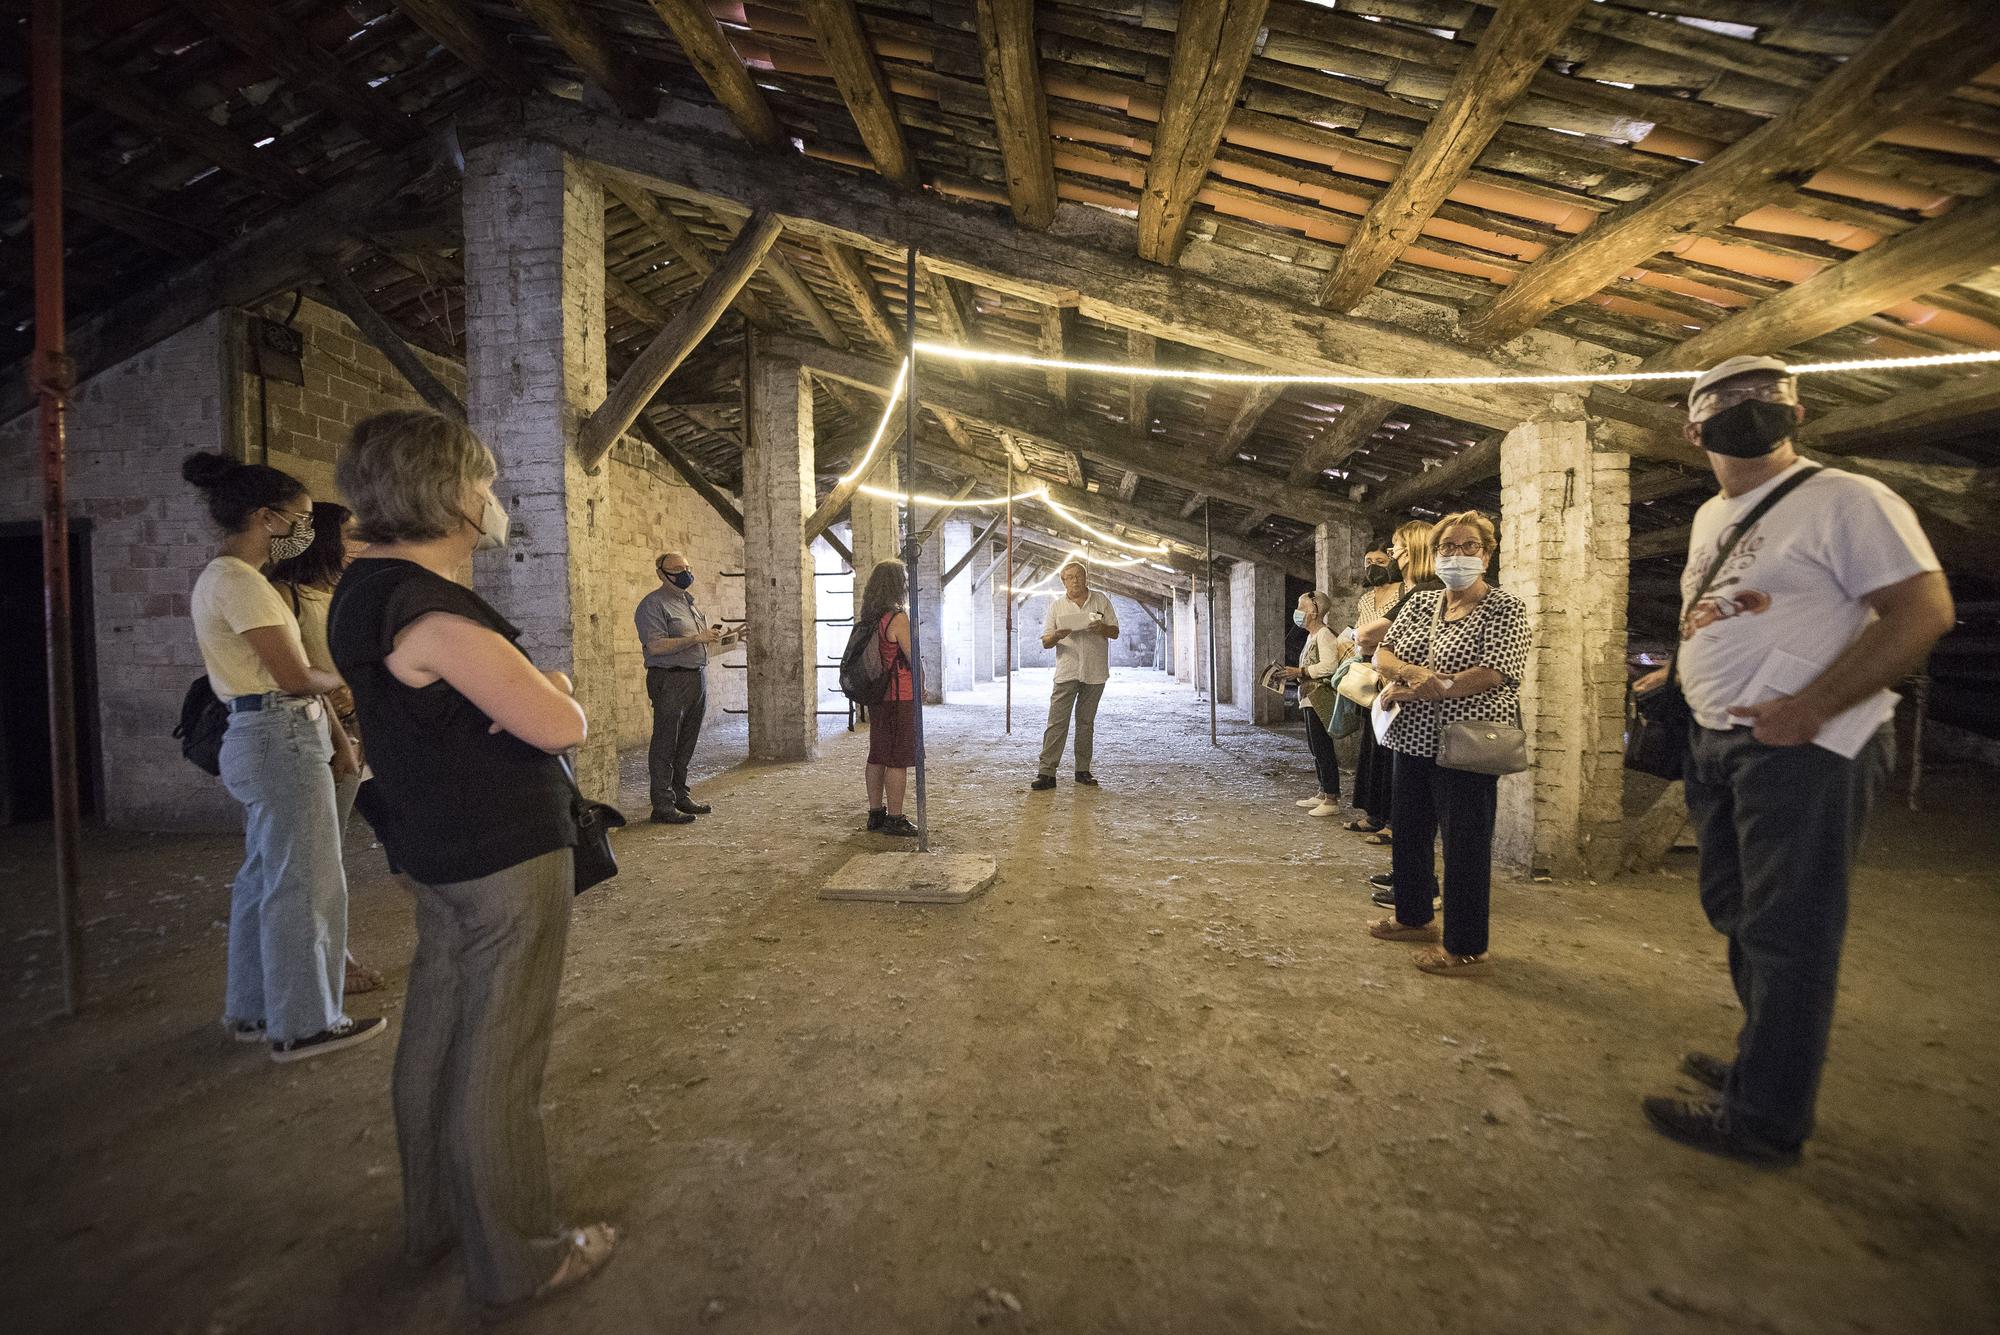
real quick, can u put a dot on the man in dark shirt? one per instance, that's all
(676, 639)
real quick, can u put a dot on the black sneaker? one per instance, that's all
(876, 815)
(243, 1031)
(1083, 776)
(1704, 1126)
(342, 1033)
(671, 817)
(899, 826)
(1385, 897)
(1043, 782)
(684, 803)
(1710, 1071)
(1382, 880)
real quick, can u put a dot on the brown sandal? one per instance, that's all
(586, 1251)
(1451, 966)
(1388, 929)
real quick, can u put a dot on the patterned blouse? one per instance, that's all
(1495, 634)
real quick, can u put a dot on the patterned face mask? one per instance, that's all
(294, 541)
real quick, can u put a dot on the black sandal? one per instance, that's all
(1365, 826)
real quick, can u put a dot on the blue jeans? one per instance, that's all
(1779, 826)
(288, 906)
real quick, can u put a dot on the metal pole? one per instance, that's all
(1208, 542)
(1921, 691)
(1010, 595)
(910, 527)
(52, 384)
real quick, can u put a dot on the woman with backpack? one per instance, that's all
(288, 903)
(892, 721)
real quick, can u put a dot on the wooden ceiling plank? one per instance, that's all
(1510, 53)
(596, 53)
(261, 32)
(1463, 469)
(1011, 62)
(453, 25)
(1361, 418)
(952, 313)
(1213, 43)
(844, 42)
(850, 274)
(708, 48)
(1915, 61)
(1250, 409)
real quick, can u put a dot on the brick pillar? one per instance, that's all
(995, 591)
(983, 608)
(956, 641)
(778, 584)
(534, 295)
(1563, 536)
(929, 576)
(1339, 551)
(1257, 614)
(875, 523)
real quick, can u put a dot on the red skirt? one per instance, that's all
(892, 734)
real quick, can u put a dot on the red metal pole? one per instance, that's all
(1010, 595)
(52, 386)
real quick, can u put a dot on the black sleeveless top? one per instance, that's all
(455, 801)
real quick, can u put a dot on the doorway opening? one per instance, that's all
(26, 787)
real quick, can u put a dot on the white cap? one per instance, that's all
(1732, 368)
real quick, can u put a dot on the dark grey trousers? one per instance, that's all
(1779, 826)
(477, 1018)
(679, 701)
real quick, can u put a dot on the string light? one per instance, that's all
(1110, 539)
(951, 502)
(881, 427)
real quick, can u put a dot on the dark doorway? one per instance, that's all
(26, 789)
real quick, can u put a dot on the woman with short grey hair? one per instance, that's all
(444, 692)
(1323, 653)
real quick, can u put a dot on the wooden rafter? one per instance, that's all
(352, 302)
(708, 48)
(1250, 409)
(850, 275)
(1963, 242)
(1510, 53)
(1903, 418)
(1140, 350)
(1361, 418)
(594, 51)
(951, 312)
(1128, 486)
(665, 227)
(1917, 59)
(803, 299)
(844, 42)
(1463, 469)
(1213, 44)
(1012, 64)
(458, 29)
(178, 236)
(1052, 339)
(261, 32)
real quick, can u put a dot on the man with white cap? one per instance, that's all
(1080, 626)
(1827, 595)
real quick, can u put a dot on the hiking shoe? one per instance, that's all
(1710, 1071)
(342, 1033)
(686, 804)
(1705, 1127)
(1042, 783)
(1083, 776)
(671, 817)
(244, 1031)
(876, 815)
(899, 826)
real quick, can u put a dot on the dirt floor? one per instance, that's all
(1158, 1079)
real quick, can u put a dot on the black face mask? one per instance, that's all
(1375, 577)
(1748, 430)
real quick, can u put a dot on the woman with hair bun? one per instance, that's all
(288, 903)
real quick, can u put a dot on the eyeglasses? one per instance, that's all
(1728, 396)
(1461, 548)
(294, 515)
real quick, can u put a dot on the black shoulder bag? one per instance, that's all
(1657, 723)
(594, 823)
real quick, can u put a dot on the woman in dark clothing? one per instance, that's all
(892, 728)
(1410, 560)
(444, 693)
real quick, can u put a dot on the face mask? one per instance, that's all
(681, 579)
(1748, 430)
(1460, 572)
(1299, 619)
(294, 541)
(1376, 576)
(493, 524)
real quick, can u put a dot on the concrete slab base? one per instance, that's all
(912, 878)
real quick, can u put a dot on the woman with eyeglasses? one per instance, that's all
(288, 904)
(1450, 656)
(1406, 568)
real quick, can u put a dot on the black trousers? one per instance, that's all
(1320, 742)
(1779, 826)
(1430, 800)
(679, 699)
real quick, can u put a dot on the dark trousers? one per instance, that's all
(1428, 800)
(1779, 826)
(1320, 742)
(680, 698)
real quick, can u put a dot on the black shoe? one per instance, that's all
(1710, 1071)
(1704, 1126)
(682, 802)
(1042, 783)
(343, 1033)
(1083, 776)
(899, 826)
(244, 1031)
(1382, 881)
(671, 817)
(1385, 897)
(876, 817)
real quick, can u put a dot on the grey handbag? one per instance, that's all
(1479, 748)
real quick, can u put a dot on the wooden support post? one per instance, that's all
(985, 535)
(718, 500)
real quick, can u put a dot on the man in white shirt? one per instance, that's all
(1079, 626)
(1785, 659)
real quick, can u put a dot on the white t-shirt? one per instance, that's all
(1329, 655)
(230, 597)
(1789, 601)
(1086, 655)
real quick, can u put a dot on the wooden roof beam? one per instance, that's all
(261, 32)
(1463, 469)
(708, 48)
(952, 314)
(851, 276)
(354, 304)
(453, 25)
(1361, 417)
(1903, 419)
(1213, 43)
(1052, 338)
(1963, 242)
(1509, 55)
(594, 51)
(1140, 350)
(665, 227)
(1917, 60)
(1256, 401)
(1012, 64)
(844, 42)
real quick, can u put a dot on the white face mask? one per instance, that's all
(1460, 572)
(492, 525)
